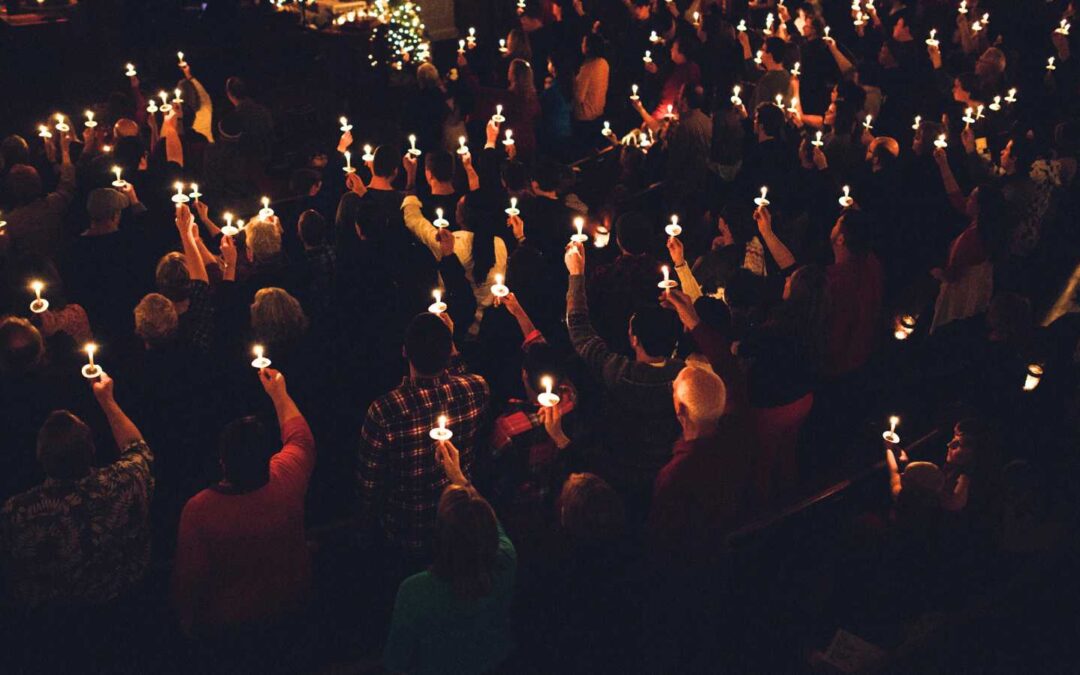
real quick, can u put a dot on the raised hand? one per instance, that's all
(675, 249)
(552, 419)
(574, 257)
(273, 383)
(449, 458)
(684, 307)
(103, 388)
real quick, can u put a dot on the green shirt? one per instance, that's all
(433, 630)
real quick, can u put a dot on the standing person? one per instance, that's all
(255, 121)
(590, 87)
(455, 616)
(399, 479)
(242, 556)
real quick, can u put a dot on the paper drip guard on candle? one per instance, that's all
(891, 438)
(119, 182)
(846, 200)
(498, 118)
(439, 221)
(91, 370)
(673, 229)
(260, 361)
(941, 142)
(369, 154)
(509, 138)
(513, 210)
(345, 126)
(762, 200)
(441, 433)
(229, 230)
(462, 148)
(39, 304)
(668, 283)
(548, 398)
(266, 212)
(413, 150)
(180, 198)
(499, 289)
(437, 307)
(580, 237)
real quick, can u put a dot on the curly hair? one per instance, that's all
(277, 317)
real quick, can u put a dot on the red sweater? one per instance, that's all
(243, 558)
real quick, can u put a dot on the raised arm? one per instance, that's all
(124, 431)
(170, 133)
(589, 346)
(189, 234)
(780, 252)
(420, 226)
(686, 278)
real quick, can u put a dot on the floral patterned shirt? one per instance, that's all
(70, 542)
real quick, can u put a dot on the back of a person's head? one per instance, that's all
(776, 48)
(277, 317)
(171, 277)
(21, 346)
(634, 232)
(263, 240)
(770, 118)
(427, 76)
(128, 153)
(1023, 150)
(245, 448)
(700, 395)
(65, 446)
(303, 180)
(539, 360)
(428, 344)
(594, 45)
(466, 542)
(237, 88)
(657, 330)
(312, 228)
(156, 321)
(590, 511)
(515, 176)
(694, 97)
(23, 184)
(521, 78)
(441, 165)
(744, 290)
(230, 127)
(14, 150)
(387, 158)
(714, 313)
(858, 230)
(885, 150)
(547, 174)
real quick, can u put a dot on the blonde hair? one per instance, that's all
(702, 392)
(427, 76)
(263, 239)
(156, 320)
(171, 276)
(277, 317)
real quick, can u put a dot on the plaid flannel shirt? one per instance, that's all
(526, 459)
(399, 480)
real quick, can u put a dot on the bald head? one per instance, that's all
(700, 396)
(125, 128)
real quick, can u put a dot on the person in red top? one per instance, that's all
(242, 556)
(853, 288)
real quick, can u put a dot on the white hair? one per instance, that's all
(701, 392)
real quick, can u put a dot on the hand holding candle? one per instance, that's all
(119, 182)
(499, 289)
(441, 433)
(513, 210)
(762, 200)
(580, 237)
(180, 198)
(260, 361)
(892, 439)
(673, 229)
(668, 283)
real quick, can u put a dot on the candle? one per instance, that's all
(441, 433)
(795, 70)
(968, 116)
(260, 361)
(860, 19)
(979, 112)
(499, 289)
(976, 26)
(580, 237)
(817, 142)
(668, 283)
(345, 126)
(648, 56)
(440, 222)
(892, 439)
(152, 107)
(634, 92)
(513, 210)
(462, 148)
(91, 370)
(742, 26)
(735, 100)
(918, 121)
(229, 230)
(472, 35)
(266, 212)
(119, 182)
(413, 150)
(61, 126)
(498, 118)
(827, 33)
(1011, 97)
(1050, 64)
(762, 201)
(601, 237)
(547, 398)
(130, 72)
(1063, 27)
(39, 304)
(697, 19)
(180, 60)
(758, 56)
(932, 40)
(963, 7)
(461, 47)
(846, 200)
(1034, 375)
(43, 131)
(905, 326)
(437, 307)
(509, 138)
(670, 114)
(995, 105)
(654, 38)
(793, 107)
(348, 163)
(164, 96)
(369, 154)
(867, 123)
(176, 97)
(179, 198)
(941, 142)
(195, 194)
(673, 228)
(502, 46)
(606, 131)
(90, 123)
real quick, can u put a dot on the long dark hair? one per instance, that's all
(466, 542)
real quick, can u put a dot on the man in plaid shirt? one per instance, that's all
(400, 481)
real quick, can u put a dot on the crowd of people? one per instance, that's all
(606, 295)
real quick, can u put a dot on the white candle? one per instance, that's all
(1050, 64)
(345, 126)
(1011, 97)
(513, 210)
(61, 126)
(892, 439)
(229, 230)
(498, 116)
(348, 163)
(758, 56)
(180, 59)
(461, 47)
(846, 200)
(152, 107)
(606, 131)
(648, 57)
(462, 148)
(634, 92)
(932, 40)
(176, 97)
(437, 307)
(547, 398)
(697, 19)
(413, 150)
(266, 212)
(742, 26)
(1063, 27)
(1034, 376)
(963, 7)
(195, 194)
(817, 142)
(580, 237)
(673, 229)
(941, 142)
(260, 361)
(735, 100)
(827, 33)
(867, 123)
(130, 72)
(762, 200)
(499, 289)
(995, 105)
(43, 131)
(90, 123)
(509, 138)
(793, 107)
(91, 370)
(502, 46)
(441, 433)
(164, 96)
(668, 283)
(39, 304)
(440, 222)
(968, 116)
(119, 182)
(369, 155)
(917, 122)
(795, 72)
(179, 198)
